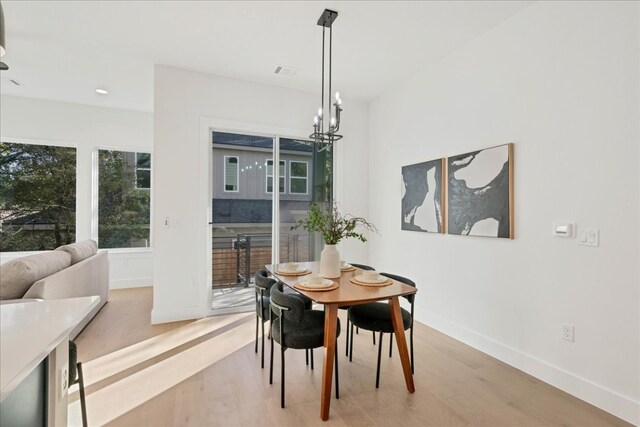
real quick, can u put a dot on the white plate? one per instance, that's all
(325, 283)
(346, 267)
(380, 279)
(296, 270)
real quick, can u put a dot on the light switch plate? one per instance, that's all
(563, 229)
(589, 237)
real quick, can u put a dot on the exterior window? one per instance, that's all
(231, 176)
(298, 177)
(37, 196)
(124, 211)
(283, 167)
(143, 171)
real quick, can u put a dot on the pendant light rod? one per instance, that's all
(319, 134)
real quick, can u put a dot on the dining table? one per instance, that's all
(348, 293)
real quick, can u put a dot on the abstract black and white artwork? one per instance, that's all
(422, 196)
(479, 193)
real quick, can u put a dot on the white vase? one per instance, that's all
(330, 262)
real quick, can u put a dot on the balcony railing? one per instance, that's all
(237, 258)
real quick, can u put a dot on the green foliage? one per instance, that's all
(123, 209)
(37, 196)
(332, 225)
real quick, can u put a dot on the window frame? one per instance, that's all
(306, 178)
(224, 179)
(65, 144)
(267, 176)
(142, 169)
(95, 197)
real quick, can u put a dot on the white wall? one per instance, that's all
(86, 128)
(560, 80)
(186, 105)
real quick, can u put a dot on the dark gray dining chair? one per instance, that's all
(76, 377)
(263, 286)
(376, 317)
(294, 327)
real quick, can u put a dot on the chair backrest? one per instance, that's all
(292, 307)
(73, 363)
(362, 266)
(404, 280)
(263, 281)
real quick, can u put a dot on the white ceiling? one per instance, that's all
(63, 50)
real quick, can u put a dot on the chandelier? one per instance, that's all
(319, 134)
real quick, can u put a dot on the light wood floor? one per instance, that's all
(205, 373)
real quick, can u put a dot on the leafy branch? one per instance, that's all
(334, 226)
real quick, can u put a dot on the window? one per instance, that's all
(143, 171)
(283, 167)
(123, 211)
(37, 196)
(231, 171)
(298, 177)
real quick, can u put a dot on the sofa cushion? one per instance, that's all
(17, 275)
(80, 250)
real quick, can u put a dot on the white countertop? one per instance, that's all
(29, 331)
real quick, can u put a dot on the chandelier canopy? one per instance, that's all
(330, 135)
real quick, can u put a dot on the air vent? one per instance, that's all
(284, 70)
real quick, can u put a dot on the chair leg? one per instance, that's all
(379, 354)
(282, 376)
(357, 331)
(256, 333)
(351, 345)
(83, 403)
(311, 351)
(271, 364)
(306, 356)
(411, 345)
(337, 383)
(373, 334)
(262, 346)
(390, 343)
(346, 343)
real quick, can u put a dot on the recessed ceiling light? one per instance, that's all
(102, 91)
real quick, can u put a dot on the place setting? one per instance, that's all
(315, 282)
(371, 278)
(345, 268)
(292, 269)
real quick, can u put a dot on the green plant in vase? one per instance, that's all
(334, 227)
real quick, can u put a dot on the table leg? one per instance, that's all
(330, 326)
(401, 340)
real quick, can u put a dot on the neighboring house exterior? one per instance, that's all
(244, 178)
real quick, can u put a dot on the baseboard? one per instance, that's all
(582, 388)
(130, 283)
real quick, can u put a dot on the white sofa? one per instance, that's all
(71, 271)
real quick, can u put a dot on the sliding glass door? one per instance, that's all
(249, 172)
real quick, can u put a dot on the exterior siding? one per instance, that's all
(252, 183)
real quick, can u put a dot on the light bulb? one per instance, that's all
(337, 95)
(315, 120)
(333, 121)
(339, 101)
(320, 112)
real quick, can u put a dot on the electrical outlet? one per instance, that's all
(568, 332)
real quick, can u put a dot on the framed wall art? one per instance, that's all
(480, 193)
(422, 196)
